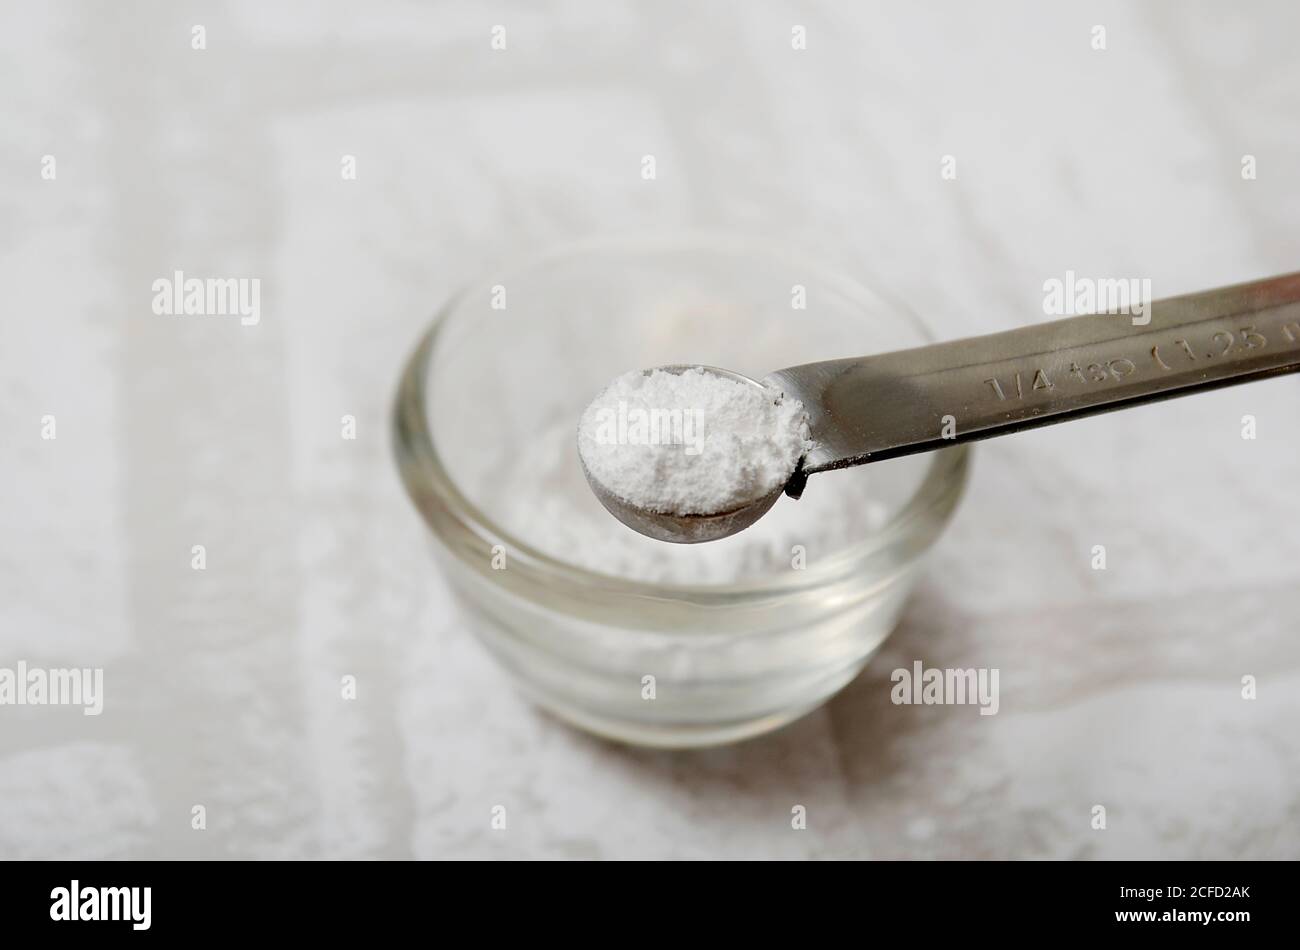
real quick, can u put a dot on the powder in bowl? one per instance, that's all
(691, 443)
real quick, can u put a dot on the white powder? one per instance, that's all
(692, 442)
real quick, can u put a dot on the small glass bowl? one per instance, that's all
(668, 664)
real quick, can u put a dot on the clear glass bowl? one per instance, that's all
(709, 646)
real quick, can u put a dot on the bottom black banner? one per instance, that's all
(337, 899)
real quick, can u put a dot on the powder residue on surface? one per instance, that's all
(692, 442)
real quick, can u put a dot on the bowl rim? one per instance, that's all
(439, 499)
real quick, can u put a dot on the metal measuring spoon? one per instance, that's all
(892, 404)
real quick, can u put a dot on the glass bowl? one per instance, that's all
(666, 645)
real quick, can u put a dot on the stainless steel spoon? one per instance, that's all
(879, 407)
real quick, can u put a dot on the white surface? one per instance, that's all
(1119, 688)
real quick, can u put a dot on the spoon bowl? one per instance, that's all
(685, 528)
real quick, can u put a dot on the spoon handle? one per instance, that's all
(878, 407)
